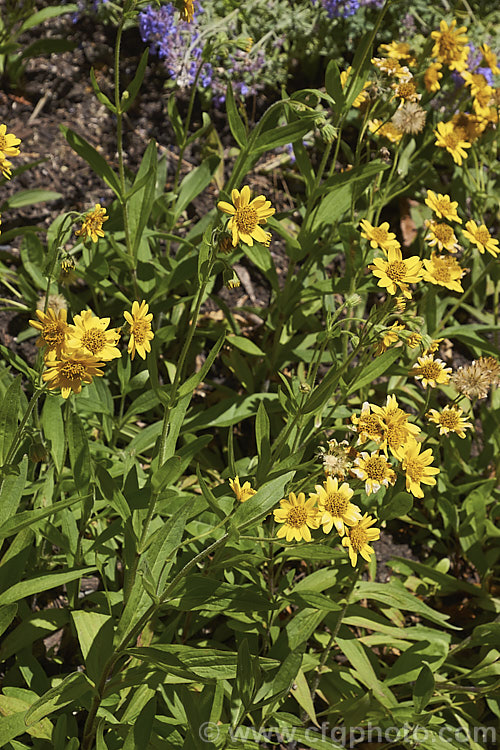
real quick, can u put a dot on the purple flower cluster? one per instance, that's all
(243, 69)
(340, 8)
(175, 43)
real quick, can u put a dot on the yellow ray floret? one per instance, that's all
(89, 333)
(70, 371)
(417, 467)
(242, 492)
(396, 272)
(449, 420)
(53, 328)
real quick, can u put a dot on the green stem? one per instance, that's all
(463, 297)
(19, 432)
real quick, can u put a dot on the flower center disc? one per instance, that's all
(358, 538)
(73, 371)
(246, 219)
(336, 504)
(52, 334)
(396, 271)
(94, 340)
(141, 327)
(376, 468)
(296, 517)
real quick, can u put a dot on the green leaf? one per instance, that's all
(53, 429)
(47, 46)
(18, 363)
(302, 694)
(7, 614)
(193, 382)
(30, 517)
(140, 204)
(99, 94)
(9, 417)
(245, 678)
(93, 158)
(29, 198)
(245, 345)
(333, 85)
(194, 183)
(363, 376)
(396, 507)
(35, 19)
(134, 86)
(70, 690)
(423, 689)
(397, 596)
(262, 433)
(236, 125)
(41, 583)
(259, 505)
(79, 454)
(95, 635)
(355, 652)
(284, 134)
(11, 490)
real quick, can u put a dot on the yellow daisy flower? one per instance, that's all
(397, 430)
(431, 371)
(417, 468)
(8, 142)
(246, 216)
(449, 420)
(476, 81)
(334, 505)
(363, 96)
(374, 470)
(449, 139)
(432, 76)
(406, 91)
(413, 340)
(187, 13)
(467, 127)
(5, 166)
(396, 272)
(70, 371)
(441, 235)
(443, 206)
(433, 347)
(490, 59)
(483, 98)
(480, 236)
(357, 538)
(389, 337)
(89, 334)
(298, 516)
(140, 329)
(396, 50)
(242, 493)
(368, 425)
(449, 45)
(391, 67)
(53, 329)
(379, 236)
(444, 271)
(386, 130)
(92, 223)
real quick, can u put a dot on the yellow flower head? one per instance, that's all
(374, 470)
(8, 142)
(396, 50)
(92, 223)
(5, 166)
(53, 329)
(140, 329)
(441, 235)
(397, 430)
(242, 493)
(386, 130)
(449, 420)
(363, 95)
(482, 239)
(432, 76)
(70, 370)
(444, 271)
(392, 68)
(246, 216)
(298, 516)
(396, 272)
(449, 45)
(431, 371)
(468, 127)
(334, 505)
(417, 468)
(406, 91)
(379, 236)
(490, 59)
(413, 340)
(448, 138)
(476, 81)
(443, 206)
(187, 12)
(89, 334)
(434, 346)
(357, 538)
(389, 337)
(368, 425)
(483, 99)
